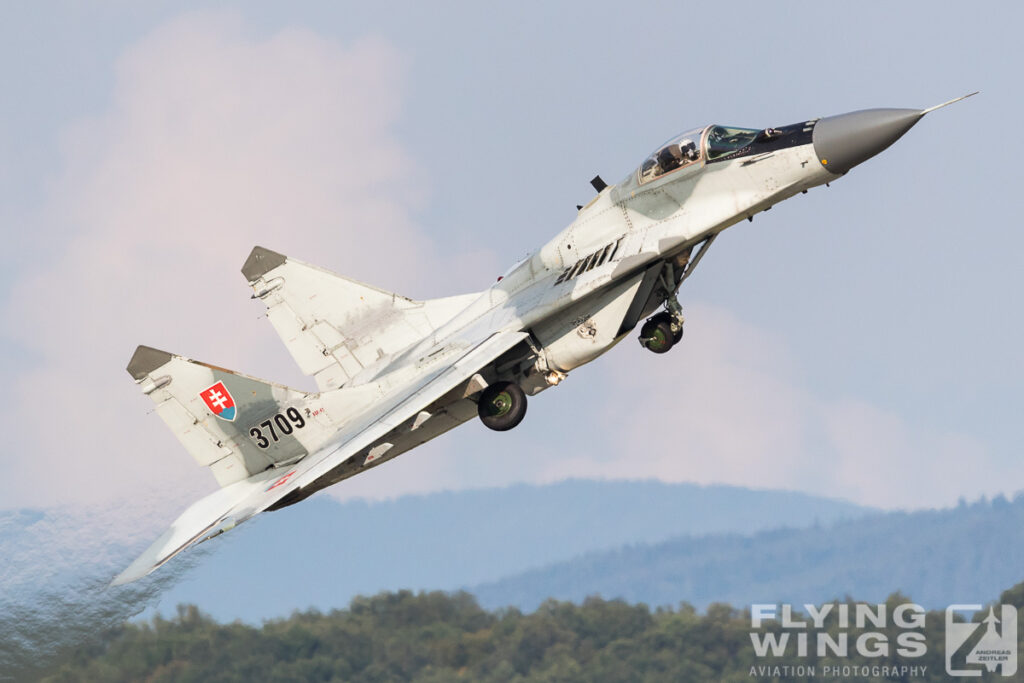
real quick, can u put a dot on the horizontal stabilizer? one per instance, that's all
(200, 521)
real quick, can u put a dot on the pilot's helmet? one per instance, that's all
(670, 158)
(689, 149)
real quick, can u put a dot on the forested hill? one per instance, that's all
(955, 555)
(454, 539)
(434, 637)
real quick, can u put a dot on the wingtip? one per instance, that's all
(260, 262)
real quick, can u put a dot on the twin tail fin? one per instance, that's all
(234, 424)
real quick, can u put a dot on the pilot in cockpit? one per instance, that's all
(675, 155)
(670, 158)
(689, 150)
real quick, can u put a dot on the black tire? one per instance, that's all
(502, 406)
(667, 317)
(657, 335)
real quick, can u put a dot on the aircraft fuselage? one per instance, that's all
(576, 310)
(628, 250)
(394, 372)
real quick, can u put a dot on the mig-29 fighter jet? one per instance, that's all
(394, 372)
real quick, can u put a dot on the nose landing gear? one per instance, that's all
(663, 331)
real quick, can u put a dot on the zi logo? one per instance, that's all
(996, 648)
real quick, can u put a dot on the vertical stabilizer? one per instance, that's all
(233, 424)
(335, 326)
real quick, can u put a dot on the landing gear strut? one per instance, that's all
(663, 331)
(502, 406)
(674, 315)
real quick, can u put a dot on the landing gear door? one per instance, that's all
(645, 301)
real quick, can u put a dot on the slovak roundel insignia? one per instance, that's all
(218, 399)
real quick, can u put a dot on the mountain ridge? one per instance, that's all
(334, 550)
(939, 557)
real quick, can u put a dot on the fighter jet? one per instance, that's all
(395, 372)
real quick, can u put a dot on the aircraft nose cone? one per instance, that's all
(841, 142)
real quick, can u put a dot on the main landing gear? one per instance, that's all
(663, 331)
(502, 406)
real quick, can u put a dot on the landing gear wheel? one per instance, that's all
(656, 335)
(502, 406)
(675, 323)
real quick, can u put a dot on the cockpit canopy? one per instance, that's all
(678, 152)
(710, 142)
(722, 140)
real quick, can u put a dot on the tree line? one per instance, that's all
(436, 636)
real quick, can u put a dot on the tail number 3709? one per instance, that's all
(276, 426)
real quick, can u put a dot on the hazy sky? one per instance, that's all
(862, 341)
